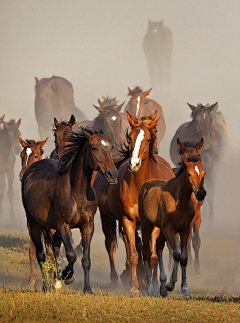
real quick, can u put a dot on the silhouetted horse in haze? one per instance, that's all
(54, 97)
(66, 199)
(214, 145)
(9, 147)
(157, 47)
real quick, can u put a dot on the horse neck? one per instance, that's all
(180, 187)
(5, 143)
(139, 178)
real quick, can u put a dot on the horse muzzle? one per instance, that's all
(134, 165)
(200, 194)
(111, 176)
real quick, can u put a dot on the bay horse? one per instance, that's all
(120, 202)
(109, 120)
(169, 206)
(9, 147)
(31, 153)
(67, 199)
(54, 97)
(201, 126)
(157, 47)
(141, 106)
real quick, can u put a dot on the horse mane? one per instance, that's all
(191, 158)
(137, 89)
(32, 142)
(108, 100)
(64, 122)
(77, 141)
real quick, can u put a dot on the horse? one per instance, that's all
(31, 153)
(120, 202)
(109, 120)
(54, 97)
(67, 199)
(9, 147)
(157, 47)
(169, 206)
(201, 126)
(140, 106)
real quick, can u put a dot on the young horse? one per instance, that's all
(66, 199)
(168, 205)
(9, 146)
(140, 106)
(32, 152)
(213, 147)
(120, 202)
(109, 120)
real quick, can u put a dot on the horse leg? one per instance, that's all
(2, 188)
(196, 241)
(129, 228)
(56, 250)
(126, 274)
(189, 240)
(67, 274)
(183, 261)
(87, 233)
(154, 257)
(170, 236)
(109, 230)
(140, 267)
(10, 176)
(163, 278)
(32, 275)
(146, 236)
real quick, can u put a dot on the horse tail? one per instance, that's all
(47, 240)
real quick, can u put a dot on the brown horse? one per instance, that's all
(120, 202)
(66, 199)
(32, 152)
(157, 47)
(140, 106)
(54, 97)
(9, 147)
(168, 206)
(109, 120)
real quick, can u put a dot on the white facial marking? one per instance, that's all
(113, 118)
(135, 159)
(104, 143)
(138, 105)
(29, 151)
(197, 170)
(204, 116)
(1, 126)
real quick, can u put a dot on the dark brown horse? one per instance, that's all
(54, 97)
(201, 126)
(66, 199)
(141, 106)
(120, 202)
(32, 152)
(157, 47)
(169, 207)
(9, 147)
(109, 120)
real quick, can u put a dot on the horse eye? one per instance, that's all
(94, 148)
(149, 139)
(36, 156)
(189, 174)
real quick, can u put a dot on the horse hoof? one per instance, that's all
(69, 281)
(133, 290)
(186, 293)
(88, 290)
(150, 291)
(57, 285)
(170, 287)
(163, 292)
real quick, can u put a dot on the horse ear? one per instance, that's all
(119, 107)
(36, 80)
(42, 143)
(98, 108)
(72, 120)
(2, 118)
(154, 115)
(129, 91)
(100, 103)
(86, 133)
(213, 107)
(22, 142)
(56, 122)
(180, 144)
(192, 107)
(146, 93)
(133, 121)
(18, 123)
(199, 144)
(51, 81)
(154, 123)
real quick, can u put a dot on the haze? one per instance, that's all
(97, 46)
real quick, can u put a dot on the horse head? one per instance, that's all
(194, 176)
(202, 120)
(110, 121)
(13, 133)
(137, 101)
(188, 149)
(141, 140)
(32, 152)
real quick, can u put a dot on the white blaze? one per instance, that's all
(204, 116)
(113, 118)
(197, 170)
(138, 105)
(28, 151)
(135, 153)
(104, 143)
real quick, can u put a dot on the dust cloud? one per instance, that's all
(97, 46)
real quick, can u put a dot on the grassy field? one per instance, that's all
(215, 293)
